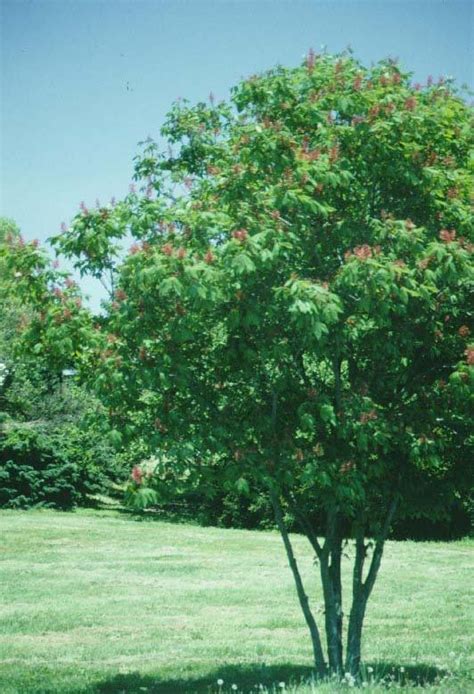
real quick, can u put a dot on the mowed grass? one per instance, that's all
(99, 602)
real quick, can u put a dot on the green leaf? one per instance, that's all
(170, 286)
(327, 414)
(242, 486)
(243, 264)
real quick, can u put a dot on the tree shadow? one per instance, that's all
(245, 677)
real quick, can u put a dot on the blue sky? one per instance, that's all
(84, 80)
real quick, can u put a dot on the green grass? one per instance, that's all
(99, 602)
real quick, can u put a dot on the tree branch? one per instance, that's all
(378, 551)
(303, 598)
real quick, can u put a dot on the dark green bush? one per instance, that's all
(55, 467)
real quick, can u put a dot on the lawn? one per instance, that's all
(100, 602)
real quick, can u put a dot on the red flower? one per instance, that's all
(167, 249)
(469, 352)
(374, 111)
(310, 60)
(367, 416)
(464, 331)
(346, 467)
(209, 257)
(240, 234)
(363, 252)
(410, 103)
(137, 474)
(447, 235)
(181, 253)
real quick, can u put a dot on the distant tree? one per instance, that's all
(54, 447)
(296, 309)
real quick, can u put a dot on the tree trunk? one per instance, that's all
(354, 635)
(318, 654)
(330, 566)
(361, 589)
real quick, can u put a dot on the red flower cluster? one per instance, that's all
(120, 295)
(367, 416)
(310, 154)
(167, 249)
(209, 257)
(469, 352)
(310, 60)
(374, 111)
(137, 474)
(410, 103)
(447, 235)
(423, 264)
(181, 253)
(347, 467)
(362, 252)
(464, 331)
(240, 234)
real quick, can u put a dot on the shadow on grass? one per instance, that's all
(247, 676)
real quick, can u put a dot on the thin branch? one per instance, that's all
(378, 551)
(307, 528)
(303, 598)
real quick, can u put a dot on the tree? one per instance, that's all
(295, 309)
(54, 447)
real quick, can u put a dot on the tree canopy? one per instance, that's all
(295, 309)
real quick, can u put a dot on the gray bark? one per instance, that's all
(318, 654)
(361, 589)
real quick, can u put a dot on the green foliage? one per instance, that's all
(53, 445)
(296, 310)
(299, 295)
(53, 435)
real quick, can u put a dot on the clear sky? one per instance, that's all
(82, 81)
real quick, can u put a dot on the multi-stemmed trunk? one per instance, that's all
(329, 554)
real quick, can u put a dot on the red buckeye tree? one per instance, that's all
(295, 310)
